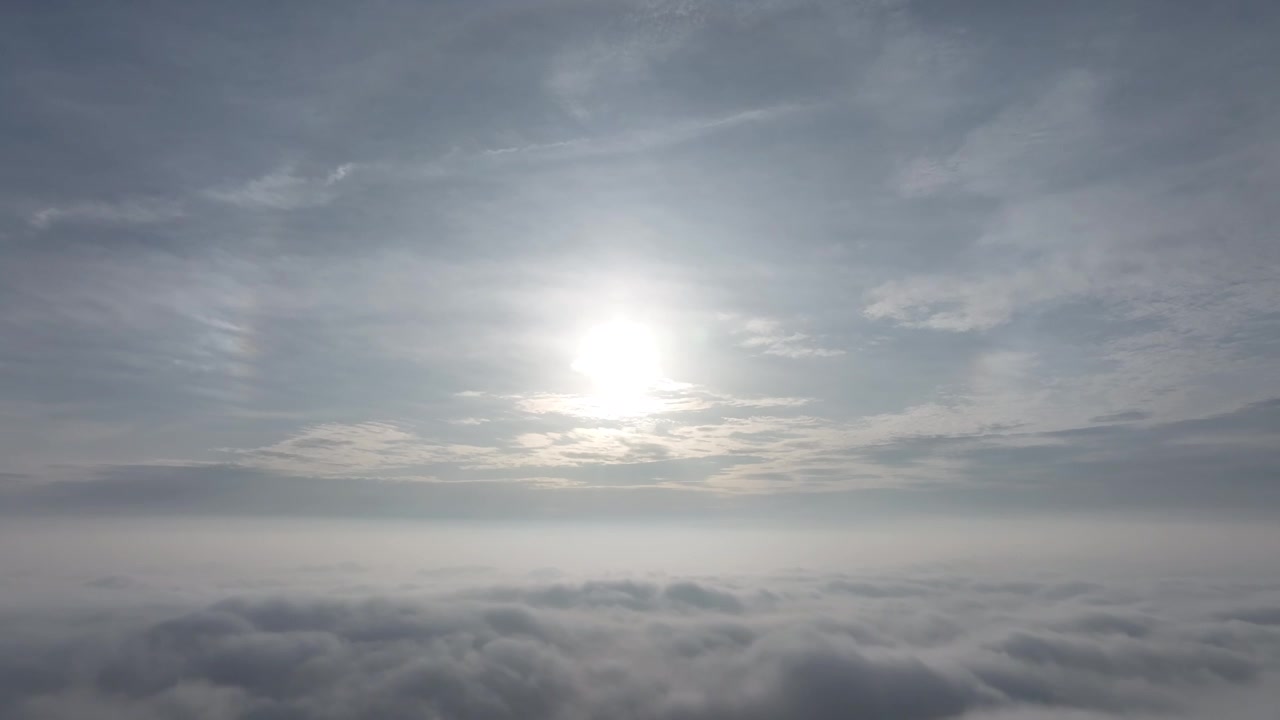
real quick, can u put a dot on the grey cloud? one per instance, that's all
(1176, 462)
(1109, 623)
(457, 571)
(560, 651)
(768, 336)
(284, 190)
(213, 490)
(124, 212)
(1126, 416)
(630, 595)
(115, 582)
(1126, 658)
(1180, 466)
(1255, 616)
(877, 590)
(345, 568)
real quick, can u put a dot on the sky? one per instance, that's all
(652, 314)
(970, 254)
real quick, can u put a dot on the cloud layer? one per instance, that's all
(920, 645)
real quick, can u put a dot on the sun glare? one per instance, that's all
(621, 359)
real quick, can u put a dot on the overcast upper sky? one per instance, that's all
(344, 258)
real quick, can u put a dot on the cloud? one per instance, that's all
(658, 137)
(1123, 416)
(778, 438)
(356, 449)
(1255, 616)
(712, 648)
(767, 336)
(1030, 146)
(666, 424)
(284, 189)
(959, 304)
(934, 461)
(138, 211)
(114, 582)
(1060, 232)
(668, 399)
(677, 597)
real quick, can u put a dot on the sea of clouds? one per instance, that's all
(918, 643)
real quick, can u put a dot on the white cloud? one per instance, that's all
(923, 644)
(137, 211)
(284, 189)
(768, 336)
(350, 450)
(665, 399)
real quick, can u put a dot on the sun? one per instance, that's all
(620, 357)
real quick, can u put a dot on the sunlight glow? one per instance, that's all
(621, 359)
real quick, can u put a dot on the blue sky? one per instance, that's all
(336, 259)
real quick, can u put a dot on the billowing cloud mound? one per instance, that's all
(806, 647)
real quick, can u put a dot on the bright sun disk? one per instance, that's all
(620, 357)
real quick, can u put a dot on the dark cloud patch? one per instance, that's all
(1255, 616)
(1063, 590)
(681, 650)
(1128, 659)
(1109, 624)
(115, 582)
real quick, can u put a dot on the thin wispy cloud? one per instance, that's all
(284, 189)
(135, 211)
(770, 337)
(661, 136)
